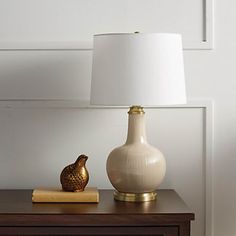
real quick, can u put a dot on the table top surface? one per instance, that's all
(19, 202)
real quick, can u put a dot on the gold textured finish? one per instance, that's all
(136, 110)
(75, 177)
(90, 194)
(135, 197)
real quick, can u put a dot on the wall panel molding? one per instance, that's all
(206, 105)
(206, 41)
(208, 135)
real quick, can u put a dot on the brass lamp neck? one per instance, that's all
(136, 110)
(136, 126)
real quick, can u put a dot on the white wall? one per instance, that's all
(212, 74)
(36, 142)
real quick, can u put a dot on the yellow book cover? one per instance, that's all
(90, 194)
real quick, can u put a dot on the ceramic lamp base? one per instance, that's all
(136, 169)
(135, 197)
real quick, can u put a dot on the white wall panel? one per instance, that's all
(38, 140)
(45, 74)
(67, 24)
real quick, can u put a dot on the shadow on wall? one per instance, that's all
(45, 74)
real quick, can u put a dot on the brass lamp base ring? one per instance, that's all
(135, 197)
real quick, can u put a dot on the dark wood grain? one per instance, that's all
(145, 231)
(166, 216)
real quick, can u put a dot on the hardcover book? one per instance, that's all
(90, 194)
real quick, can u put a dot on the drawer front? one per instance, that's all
(157, 231)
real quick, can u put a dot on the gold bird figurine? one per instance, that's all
(75, 177)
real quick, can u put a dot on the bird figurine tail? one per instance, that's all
(75, 177)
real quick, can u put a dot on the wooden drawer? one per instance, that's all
(158, 231)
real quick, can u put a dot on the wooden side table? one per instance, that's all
(167, 216)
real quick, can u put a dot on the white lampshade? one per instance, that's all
(138, 69)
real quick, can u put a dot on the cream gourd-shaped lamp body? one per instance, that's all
(136, 167)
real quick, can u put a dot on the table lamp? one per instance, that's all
(136, 70)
